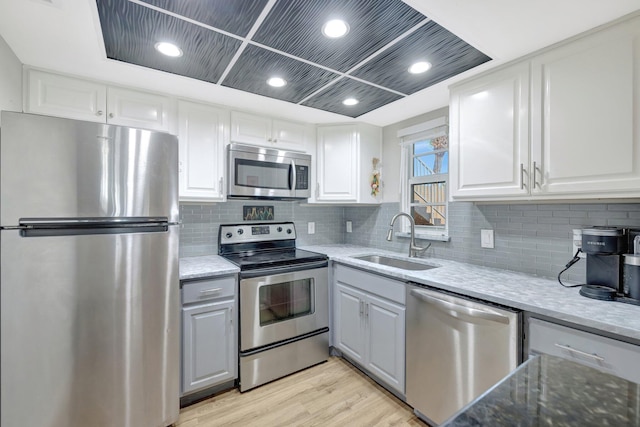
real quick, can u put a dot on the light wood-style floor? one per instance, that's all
(331, 394)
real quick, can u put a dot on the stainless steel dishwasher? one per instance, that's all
(457, 349)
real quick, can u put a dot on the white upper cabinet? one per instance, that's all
(344, 155)
(203, 133)
(138, 109)
(490, 126)
(580, 100)
(56, 95)
(267, 132)
(63, 96)
(583, 115)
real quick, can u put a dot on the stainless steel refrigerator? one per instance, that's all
(89, 281)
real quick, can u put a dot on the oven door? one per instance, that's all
(281, 306)
(261, 172)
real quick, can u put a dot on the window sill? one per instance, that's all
(425, 236)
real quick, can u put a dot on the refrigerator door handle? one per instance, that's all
(90, 222)
(33, 227)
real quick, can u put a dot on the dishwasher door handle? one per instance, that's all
(471, 312)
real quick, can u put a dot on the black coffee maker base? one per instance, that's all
(605, 293)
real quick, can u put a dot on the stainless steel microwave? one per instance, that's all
(266, 173)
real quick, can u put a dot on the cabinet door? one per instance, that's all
(337, 160)
(208, 345)
(138, 109)
(585, 114)
(349, 322)
(61, 96)
(203, 132)
(290, 136)
(250, 129)
(386, 341)
(489, 129)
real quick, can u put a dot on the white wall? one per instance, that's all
(10, 79)
(391, 153)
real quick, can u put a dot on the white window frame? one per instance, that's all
(408, 137)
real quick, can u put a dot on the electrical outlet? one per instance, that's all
(349, 227)
(311, 227)
(486, 239)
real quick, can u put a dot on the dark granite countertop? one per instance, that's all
(549, 391)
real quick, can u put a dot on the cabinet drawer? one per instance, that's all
(379, 285)
(606, 354)
(203, 290)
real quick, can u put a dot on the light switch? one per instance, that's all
(349, 227)
(486, 239)
(311, 227)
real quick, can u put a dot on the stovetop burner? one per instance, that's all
(273, 258)
(263, 245)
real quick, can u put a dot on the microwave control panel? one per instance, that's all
(302, 177)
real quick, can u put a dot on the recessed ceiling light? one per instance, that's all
(168, 49)
(276, 82)
(335, 28)
(350, 101)
(419, 67)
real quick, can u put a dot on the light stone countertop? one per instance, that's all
(206, 266)
(537, 295)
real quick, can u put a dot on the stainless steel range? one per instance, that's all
(284, 312)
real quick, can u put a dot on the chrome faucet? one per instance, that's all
(413, 249)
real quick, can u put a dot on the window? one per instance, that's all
(425, 176)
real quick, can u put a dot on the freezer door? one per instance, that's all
(89, 329)
(61, 168)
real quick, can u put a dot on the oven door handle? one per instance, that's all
(282, 270)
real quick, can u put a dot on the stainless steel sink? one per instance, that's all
(395, 262)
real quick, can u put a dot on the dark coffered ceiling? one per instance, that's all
(241, 43)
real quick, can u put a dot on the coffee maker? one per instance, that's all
(604, 247)
(612, 273)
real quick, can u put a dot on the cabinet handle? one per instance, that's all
(522, 176)
(111, 115)
(231, 315)
(535, 172)
(270, 140)
(361, 307)
(220, 185)
(210, 291)
(366, 310)
(99, 113)
(275, 140)
(579, 352)
(317, 189)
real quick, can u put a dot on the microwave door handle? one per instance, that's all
(292, 176)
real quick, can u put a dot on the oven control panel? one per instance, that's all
(257, 232)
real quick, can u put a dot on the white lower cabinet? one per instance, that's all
(369, 323)
(209, 341)
(605, 354)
